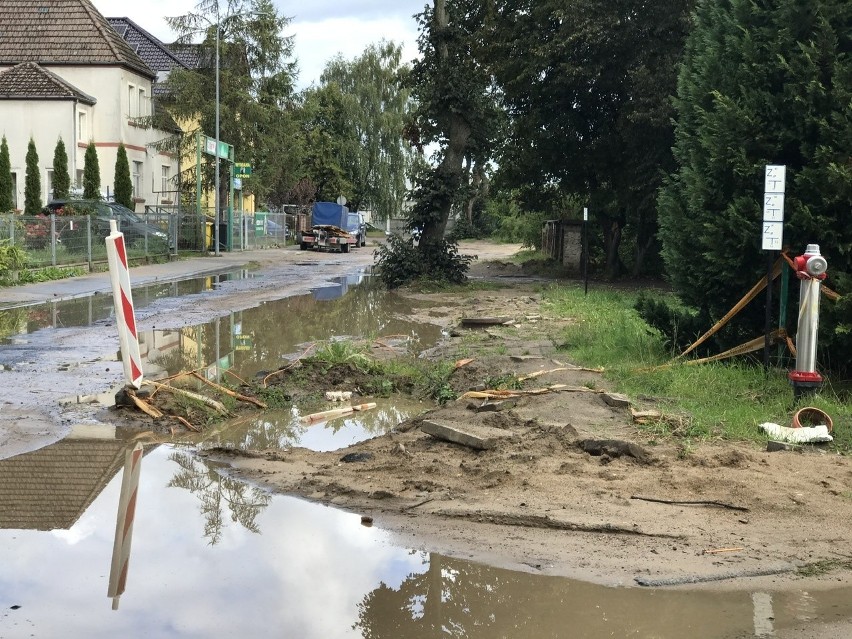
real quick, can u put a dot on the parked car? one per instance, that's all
(356, 226)
(129, 223)
(274, 229)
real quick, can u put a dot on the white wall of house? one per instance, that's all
(121, 95)
(45, 122)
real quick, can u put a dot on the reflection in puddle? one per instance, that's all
(212, 557)
(249, 343)
(86, 311)
(280, 429)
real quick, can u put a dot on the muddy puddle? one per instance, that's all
(211, 557)
(97, 540)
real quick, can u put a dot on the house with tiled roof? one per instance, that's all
(159, 57)
(65, 72)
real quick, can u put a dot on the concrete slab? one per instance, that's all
(470, 435)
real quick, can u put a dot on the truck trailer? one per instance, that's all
(329, 222)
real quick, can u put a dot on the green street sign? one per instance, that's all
(242, 168)
(224, 148)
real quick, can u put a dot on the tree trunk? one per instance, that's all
(612, 229)
(449, 172)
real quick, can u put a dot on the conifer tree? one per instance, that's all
(32, 186)
(61, 178)
(91, 174)
(760, 83)
(122, 184)
(7, 200)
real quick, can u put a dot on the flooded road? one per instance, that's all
(203, 555)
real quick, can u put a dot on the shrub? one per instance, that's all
(399, 262)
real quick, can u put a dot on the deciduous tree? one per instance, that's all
(587, 86)
(376, 160)
(257, 105)
(457, 109)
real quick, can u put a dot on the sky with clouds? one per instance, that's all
(322, 28)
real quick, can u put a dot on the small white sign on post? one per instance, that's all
(585, 214)
(773, 207)
(776, 176)
(773, 235)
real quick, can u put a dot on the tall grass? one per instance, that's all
(717, 400)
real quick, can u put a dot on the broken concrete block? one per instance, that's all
(470, 435)
(616, 400)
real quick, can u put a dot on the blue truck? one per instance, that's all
(330, 229)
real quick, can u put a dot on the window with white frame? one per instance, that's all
(165, 178)
(143, 104)
(49, 183)
(79, 179)
(81, 126)
(131, 100)
(138, 167)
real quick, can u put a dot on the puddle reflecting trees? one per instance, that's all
(217, 494)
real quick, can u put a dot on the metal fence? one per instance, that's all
(74, 240)
(78, 240)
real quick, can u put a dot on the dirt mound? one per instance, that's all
(541, 471)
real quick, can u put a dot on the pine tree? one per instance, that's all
(61, 178)
(122, 184)
(7, 200)
(32, 185)
(91, 174)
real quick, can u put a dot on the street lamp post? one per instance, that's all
(218, 26)
(216, 196)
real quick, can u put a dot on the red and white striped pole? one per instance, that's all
(119, 275)
(124, 524)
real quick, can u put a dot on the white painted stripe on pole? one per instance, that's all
(124, 524)
(119, 274)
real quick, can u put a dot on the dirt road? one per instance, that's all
(571, 485)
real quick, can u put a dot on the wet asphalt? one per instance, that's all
(183, 268)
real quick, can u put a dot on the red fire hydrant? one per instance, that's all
(811, 269)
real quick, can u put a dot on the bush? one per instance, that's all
(679, 325)
(12, 258)
(399, 262)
